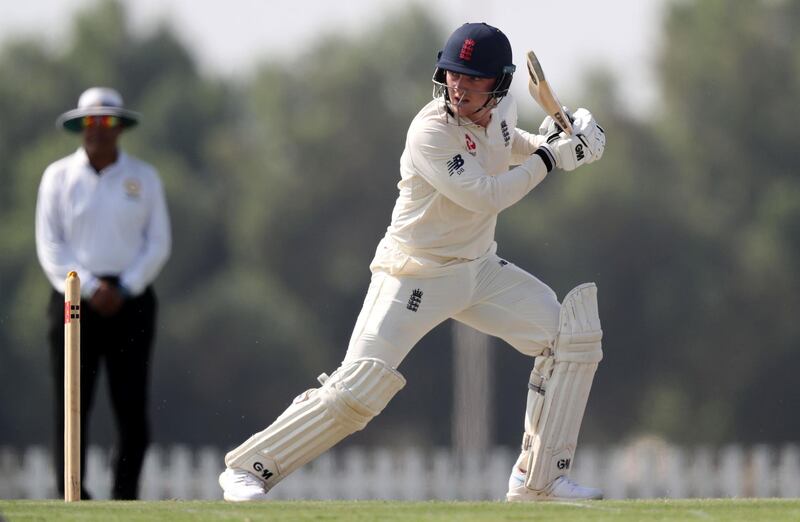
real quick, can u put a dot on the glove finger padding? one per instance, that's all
(548, 126)
(595, 135)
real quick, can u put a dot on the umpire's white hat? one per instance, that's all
(97, 101)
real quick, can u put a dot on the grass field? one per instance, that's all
(745, 510)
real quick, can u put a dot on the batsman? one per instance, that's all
(438, 260)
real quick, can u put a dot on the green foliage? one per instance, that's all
(280, 185)
(731, 75)
(268, 185)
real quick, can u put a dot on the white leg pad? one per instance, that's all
(317, 419)
(559, 389)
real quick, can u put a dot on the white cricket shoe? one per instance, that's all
(561, 488)
(240, 486)
(517, 478)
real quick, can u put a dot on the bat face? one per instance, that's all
(544, 95)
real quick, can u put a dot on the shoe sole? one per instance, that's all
(550, 499)
(232, 498)
(534, 497)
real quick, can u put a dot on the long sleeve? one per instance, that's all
(55, 256)
(157, 245)
(112, 223)
(441, 161)
(523, 144)
(455, 180)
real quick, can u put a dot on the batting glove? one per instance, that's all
(585, 146)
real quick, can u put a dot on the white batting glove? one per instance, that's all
(549, 125)
(585, 146)
(595, 135)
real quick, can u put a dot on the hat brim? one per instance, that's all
(447, 65)
(71, 120)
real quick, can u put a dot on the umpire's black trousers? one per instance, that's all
(123, 343)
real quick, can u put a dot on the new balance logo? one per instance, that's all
(456, 165)
(414, 300)
(262, 471)
(563, 463)
(579, 152)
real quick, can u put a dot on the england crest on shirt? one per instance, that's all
(472, 148)
(506, 133)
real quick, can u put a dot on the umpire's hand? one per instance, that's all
(107, 299)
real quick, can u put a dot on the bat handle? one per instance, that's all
(571, 119)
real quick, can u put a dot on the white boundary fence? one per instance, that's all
(645, 469)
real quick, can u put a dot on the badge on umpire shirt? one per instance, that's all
(133, 188)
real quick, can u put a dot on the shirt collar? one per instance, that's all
(447, 114)
(82, 159)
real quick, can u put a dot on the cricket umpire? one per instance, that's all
(438, 261)
(102, 213)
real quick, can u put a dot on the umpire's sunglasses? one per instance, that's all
(106, 122)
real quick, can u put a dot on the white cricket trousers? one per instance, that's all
(488, 294)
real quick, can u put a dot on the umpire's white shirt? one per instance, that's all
(455, 179)
(111, 223)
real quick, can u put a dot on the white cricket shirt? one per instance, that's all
(112, 223)
(454, 181)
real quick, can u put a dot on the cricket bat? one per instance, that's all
(544, 95)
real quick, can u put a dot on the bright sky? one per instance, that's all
(569, 36)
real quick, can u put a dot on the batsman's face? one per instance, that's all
(468, 94)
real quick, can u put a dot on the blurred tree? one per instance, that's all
(36, 85)
(313, 174)
(280, 185)
(731, 76)
(273, 189)
(689, 226)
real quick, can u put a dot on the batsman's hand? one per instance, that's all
(549, 125)
(586, 145)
